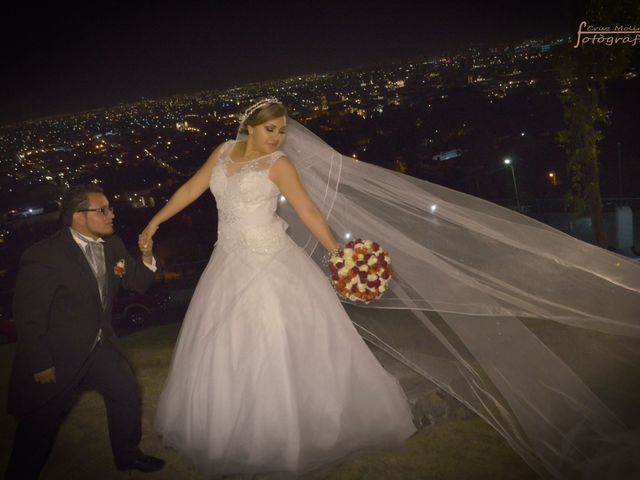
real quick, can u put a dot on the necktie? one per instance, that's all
(95, 254)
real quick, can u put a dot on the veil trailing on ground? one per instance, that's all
(535, 331)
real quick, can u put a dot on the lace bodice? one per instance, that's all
(247, 202)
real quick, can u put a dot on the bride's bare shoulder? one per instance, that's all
(282, 168)
(207, 167)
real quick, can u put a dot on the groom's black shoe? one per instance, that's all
(142, 462)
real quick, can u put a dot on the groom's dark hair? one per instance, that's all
(76, 198)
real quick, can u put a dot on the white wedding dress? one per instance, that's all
(269, 373)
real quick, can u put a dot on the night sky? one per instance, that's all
(58, 59)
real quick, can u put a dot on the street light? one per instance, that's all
(552, 178)
(509, 163)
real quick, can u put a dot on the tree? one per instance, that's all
(583, 72)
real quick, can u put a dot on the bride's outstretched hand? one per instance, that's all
(147, 234)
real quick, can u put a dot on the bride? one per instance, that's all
(269, 374)
(536, 332)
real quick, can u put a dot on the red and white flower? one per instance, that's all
(119, 269)
(361, 271)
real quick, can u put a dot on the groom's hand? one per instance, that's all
(46, 376)
(147, 234)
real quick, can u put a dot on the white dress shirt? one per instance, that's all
(82, 241)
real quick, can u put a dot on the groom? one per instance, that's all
(66, 344)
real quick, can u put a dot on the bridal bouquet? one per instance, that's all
(361, 271)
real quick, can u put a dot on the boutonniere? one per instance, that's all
(119, 268)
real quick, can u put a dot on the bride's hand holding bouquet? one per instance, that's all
(361, 271)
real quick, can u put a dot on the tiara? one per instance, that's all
(256, 106)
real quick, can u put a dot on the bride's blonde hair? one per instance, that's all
(260, 112)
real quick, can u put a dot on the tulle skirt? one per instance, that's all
(269, 374)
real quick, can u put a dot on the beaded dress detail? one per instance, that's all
(247, 202)
(268, 373)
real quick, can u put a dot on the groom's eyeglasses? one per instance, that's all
(103, 210)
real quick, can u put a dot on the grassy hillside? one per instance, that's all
(460, 449)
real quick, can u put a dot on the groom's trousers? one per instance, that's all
(105, 371)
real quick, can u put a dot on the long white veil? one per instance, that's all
(535, 331)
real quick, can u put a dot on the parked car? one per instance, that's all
(130, 309)
(137, 309)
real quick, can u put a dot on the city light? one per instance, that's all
(509, 163)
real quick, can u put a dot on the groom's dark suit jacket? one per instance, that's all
(58, 312)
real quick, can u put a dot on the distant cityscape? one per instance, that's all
(450, 119)
(172, 136)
